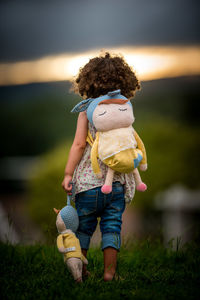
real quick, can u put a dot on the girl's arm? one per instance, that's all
(76, 150)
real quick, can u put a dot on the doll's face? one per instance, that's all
(112, 116)
(60, 224)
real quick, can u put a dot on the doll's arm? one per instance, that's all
(60, 244)
(90, 139)
(76, 150)
(143, 164)
(94, 155)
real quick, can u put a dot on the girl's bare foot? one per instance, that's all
(108, 276)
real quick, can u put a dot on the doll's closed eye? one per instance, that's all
(102, 113)
(122, 109)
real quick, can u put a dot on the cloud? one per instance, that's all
(31, 29)
(148, 62)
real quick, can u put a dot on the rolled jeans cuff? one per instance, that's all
(111, 239)
(84, 240)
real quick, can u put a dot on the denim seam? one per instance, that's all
(117, 209)
(117, 193)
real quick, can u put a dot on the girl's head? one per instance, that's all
(104, 74)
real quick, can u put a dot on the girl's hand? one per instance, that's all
(66, 184)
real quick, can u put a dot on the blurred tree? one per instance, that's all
(172, 158)
(31, 124)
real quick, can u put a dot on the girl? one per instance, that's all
(98, 77)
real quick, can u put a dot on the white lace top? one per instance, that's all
(85, 179)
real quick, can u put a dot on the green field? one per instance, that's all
(146, 271)
(36, 121)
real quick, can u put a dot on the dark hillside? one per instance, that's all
(36, 117)
(176, 98)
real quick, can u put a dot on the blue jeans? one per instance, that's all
(92, 204)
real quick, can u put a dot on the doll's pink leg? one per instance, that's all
(140, 186)
(107, 187)
(75, 267)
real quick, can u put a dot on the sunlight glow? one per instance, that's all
(148, 62)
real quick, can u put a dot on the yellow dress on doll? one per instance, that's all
(70, 242)
(120, 149)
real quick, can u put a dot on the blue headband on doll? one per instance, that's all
(91, 103)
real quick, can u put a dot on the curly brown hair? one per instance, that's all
(104, 74)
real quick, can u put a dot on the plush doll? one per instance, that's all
(116, 144)
(67, 242)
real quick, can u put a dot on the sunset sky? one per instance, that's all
(50, 40)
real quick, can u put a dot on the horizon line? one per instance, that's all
(148, 62)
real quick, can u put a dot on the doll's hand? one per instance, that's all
(62, 250)
(143, 167)
(66, 184)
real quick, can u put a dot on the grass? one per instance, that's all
(147, 271)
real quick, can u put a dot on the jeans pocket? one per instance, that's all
(86, 202)
(118, 200)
